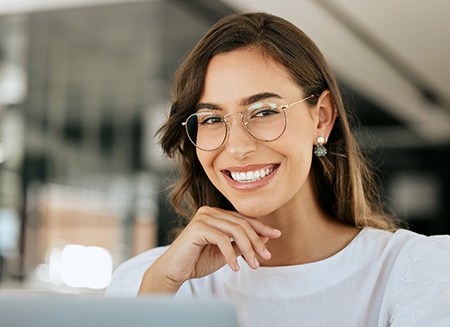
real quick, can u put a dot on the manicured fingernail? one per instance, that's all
(276, 231)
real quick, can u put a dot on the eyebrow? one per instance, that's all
(258, 97)
(244, 102)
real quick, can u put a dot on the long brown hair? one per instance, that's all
(342, 180)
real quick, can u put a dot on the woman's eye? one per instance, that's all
(211, 120)
(264, 112)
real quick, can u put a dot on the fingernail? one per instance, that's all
(276, 231)
(266, 254)
(256, 262)
(236, 266)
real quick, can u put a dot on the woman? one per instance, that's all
(284, 217)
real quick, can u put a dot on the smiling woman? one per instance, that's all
(274, 187)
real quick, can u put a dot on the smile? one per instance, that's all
(250, 176)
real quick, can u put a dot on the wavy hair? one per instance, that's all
(343, 180)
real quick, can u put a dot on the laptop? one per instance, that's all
(51, 310)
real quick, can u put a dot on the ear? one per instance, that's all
(326, 114)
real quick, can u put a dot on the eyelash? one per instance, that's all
(217, 119)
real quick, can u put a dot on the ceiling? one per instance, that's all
(394, 53)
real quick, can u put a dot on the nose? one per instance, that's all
(239, 142)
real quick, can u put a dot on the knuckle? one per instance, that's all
(229, 257)
(198, 224)
(239, 229)
(202, 211)
(224, 239)
(247, 248)
(247, 227)
(203, 208)
(241, 222)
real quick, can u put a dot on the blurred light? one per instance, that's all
(2, 153)
(415, 195)
(42, 272)
(86, 266)
(54, 266)
(13, 83)
(9, 231)
(12, 135)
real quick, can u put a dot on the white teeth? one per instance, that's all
(251, 176)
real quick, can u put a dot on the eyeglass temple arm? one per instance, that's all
(299, 101)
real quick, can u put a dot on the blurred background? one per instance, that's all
(84, 84)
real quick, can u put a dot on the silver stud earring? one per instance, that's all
(320, 150)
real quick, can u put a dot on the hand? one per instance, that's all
(214, 237)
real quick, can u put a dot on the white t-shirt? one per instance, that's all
(379, 279)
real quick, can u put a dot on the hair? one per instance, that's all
(343, 181)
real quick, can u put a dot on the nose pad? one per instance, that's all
(238, 140)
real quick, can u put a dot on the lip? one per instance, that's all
(246, 168)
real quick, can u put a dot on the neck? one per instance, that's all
(308, 233)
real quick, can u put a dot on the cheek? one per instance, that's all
(299, 138)
(297, 146)
(202, 159)
(301, 124)
(206, 159)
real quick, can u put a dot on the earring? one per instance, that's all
(320, 150)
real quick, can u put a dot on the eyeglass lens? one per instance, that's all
(265, 121)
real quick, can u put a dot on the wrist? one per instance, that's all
(155, 282)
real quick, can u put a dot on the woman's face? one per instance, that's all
(238, 167)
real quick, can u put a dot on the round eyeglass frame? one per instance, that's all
(244, 124)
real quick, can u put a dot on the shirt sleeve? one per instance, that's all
(127, 277)
(423, 288)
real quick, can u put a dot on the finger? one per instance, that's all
(226, 217)
(259, 227)
(238, 251)
(223, 242)
(246, 239)
(263, 239)
(249, 225)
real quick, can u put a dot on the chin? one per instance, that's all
(252, 210)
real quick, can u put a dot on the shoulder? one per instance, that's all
(382, 245)
(418, 253)
(413, 254)
(404, 242)
(422, 280)
(416, 270)
(127, 277)
(426, 258)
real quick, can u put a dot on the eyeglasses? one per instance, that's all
(265, 121)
